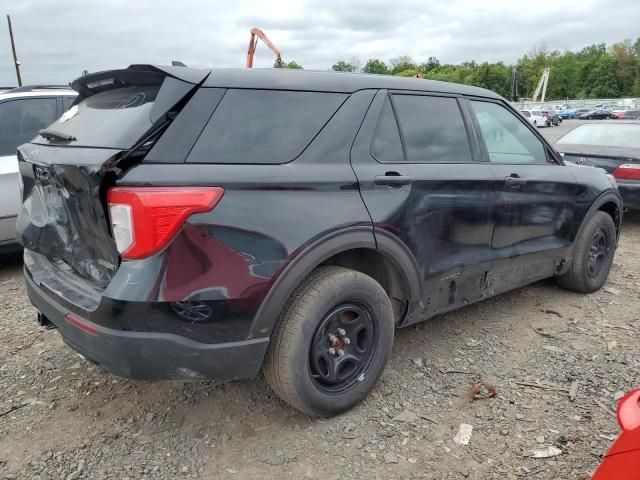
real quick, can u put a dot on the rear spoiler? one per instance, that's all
(93, 83)
(180, 81)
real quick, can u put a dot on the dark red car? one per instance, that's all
(622, 461)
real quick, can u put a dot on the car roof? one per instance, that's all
(340, 82)
(45, 92)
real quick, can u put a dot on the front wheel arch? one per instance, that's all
(608, 202)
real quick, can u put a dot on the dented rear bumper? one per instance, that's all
(146, 355)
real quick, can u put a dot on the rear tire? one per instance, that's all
(331, 343)
(593, 253)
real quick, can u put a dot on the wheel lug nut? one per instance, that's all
(341, 331)
(346, 340)
(332, 351)
(332, 338)
(341, 352)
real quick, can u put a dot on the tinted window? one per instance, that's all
(20, 121)
(433, 129)
(263, 126)
(507, 138)
(116, 118)
(386, 146)
(67, 102)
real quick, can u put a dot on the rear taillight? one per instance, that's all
(627, 171)
(145, 219)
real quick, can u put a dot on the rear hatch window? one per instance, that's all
(113, 119)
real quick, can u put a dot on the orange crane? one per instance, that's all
(256, 34)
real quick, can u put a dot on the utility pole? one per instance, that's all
(13, 48)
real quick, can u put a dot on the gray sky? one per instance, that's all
(57, 39)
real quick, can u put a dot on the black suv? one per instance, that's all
(189, 223)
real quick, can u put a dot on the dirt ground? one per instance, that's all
(61, 418)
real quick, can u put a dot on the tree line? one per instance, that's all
(596, 71)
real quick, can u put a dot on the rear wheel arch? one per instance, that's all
(355, 248)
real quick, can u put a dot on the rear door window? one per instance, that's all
(115, 118)
(432, 129)
(263, 126)
(20, 121)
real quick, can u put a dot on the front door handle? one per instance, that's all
(393, 179)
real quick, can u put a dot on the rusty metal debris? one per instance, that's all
(479, 391)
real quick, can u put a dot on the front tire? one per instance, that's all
(331, 343)
(593, 253)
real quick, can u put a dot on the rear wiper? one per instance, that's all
(54, 135)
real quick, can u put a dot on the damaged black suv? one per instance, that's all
(209, 223)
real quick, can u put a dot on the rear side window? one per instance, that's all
(115, 118)
(432, 129)
(20, 121)
(263, 126)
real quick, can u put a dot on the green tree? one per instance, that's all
(293, 65)
(592, 72)
(410, 72)
(374, 65)
(402, 63)
(431, 64)
(342, 66)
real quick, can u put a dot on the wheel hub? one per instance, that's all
(342, 347)
(598, 253)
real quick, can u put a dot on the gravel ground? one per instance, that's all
(62, 418)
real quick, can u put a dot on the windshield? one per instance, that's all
(605, 135)
(117, 118)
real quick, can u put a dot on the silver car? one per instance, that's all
(23, 112)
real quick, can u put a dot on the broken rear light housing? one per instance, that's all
(144, 220)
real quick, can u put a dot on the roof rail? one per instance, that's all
(31, 88)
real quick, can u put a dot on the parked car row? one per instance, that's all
(542, 118)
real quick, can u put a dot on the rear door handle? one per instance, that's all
(393, 179)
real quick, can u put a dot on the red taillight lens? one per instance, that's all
(628, 171)
(145, 219)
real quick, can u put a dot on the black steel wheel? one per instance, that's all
(342, 347)
(331, 343)
(598, 253)
(593, 252)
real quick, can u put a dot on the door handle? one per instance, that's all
(514, 179)
(393, 179)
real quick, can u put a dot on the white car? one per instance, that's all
(23, 112)
(535, 117)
